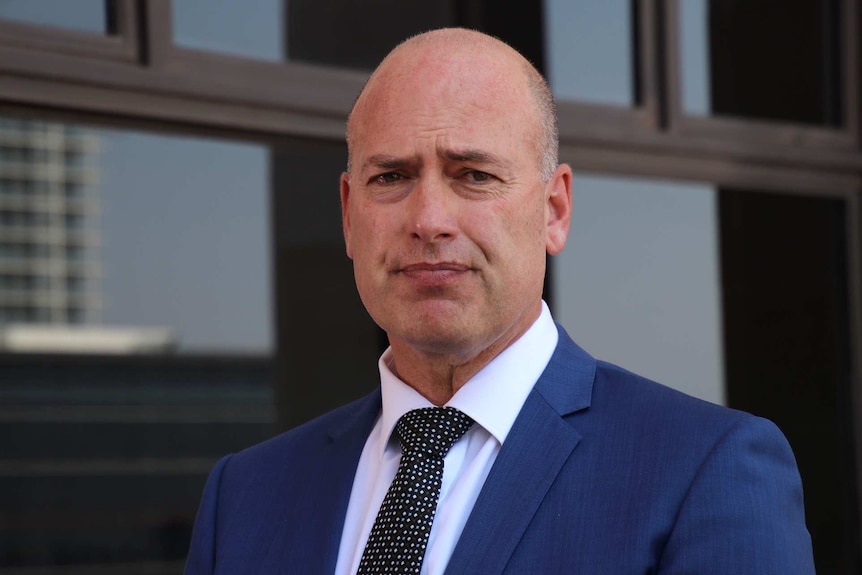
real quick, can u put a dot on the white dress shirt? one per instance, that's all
(493, 398)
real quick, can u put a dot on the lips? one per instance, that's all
(433, 274)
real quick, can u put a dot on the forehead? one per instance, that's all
(452, 96)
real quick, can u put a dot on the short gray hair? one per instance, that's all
(546, 108)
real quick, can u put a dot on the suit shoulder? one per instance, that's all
(632, 416)
(310, 436)
(636, 397)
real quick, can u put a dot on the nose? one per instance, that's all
(432, 211)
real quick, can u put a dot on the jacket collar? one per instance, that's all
(523, 473)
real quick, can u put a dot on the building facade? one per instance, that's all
(49, 234)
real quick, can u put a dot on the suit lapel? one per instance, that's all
(335, 468)
(535, 450)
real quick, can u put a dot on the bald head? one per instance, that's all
(456, 55)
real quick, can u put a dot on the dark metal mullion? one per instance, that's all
(155, 32)
(111, 24)
(832, 64)
(854, 288)
(840, 73)
(668, 60)
(636, 52)
(849, 30)
(851, 394)
(647, 51)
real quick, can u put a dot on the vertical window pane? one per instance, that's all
(787, 325)
(83, 15)
(166, 234)
(350, 34)
(49, 230)
(638, 283)
(250, 29)
(186, 241)
(324, 305)
(762, 60)
(135, 338)
(695, 57)
(589, 50)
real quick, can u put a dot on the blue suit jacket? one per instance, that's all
(603, 472)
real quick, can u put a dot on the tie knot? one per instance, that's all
(431, 430)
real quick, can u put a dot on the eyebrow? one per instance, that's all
(386, 162)
(471, 155)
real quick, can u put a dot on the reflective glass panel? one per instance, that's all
(250, 29)
(351, 34)
(82, 15)
(136, 342)
(762, 60)
(638, 283)
(160, 240)
(788, 346)
(695, 57)
(186, 240)
(589, 50)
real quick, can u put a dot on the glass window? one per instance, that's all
(136, 342)
(787, 345)
(761, 60)
(639, 281)
(170, 232)
(250, 29)
(694, 54)
(185, 239)
(589, 50)
(349, 34)
(82, 15)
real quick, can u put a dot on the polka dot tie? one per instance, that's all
(400, 532)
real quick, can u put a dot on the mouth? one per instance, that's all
(433, 273)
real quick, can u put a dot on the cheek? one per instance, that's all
(364, 227)
(525, 247)
(512, 247)
(370, 239)
(521, 227)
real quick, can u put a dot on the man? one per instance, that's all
(452, 198)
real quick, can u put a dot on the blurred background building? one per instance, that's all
(49, 271)
(173, 283)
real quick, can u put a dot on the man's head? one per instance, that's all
(452, 197)
(547, 141)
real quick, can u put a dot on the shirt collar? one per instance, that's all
(508, 378)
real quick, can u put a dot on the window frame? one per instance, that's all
(119, 43)
(773, 133)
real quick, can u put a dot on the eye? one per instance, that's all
(386, 179)
(478, 177)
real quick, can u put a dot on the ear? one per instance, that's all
(559, 209)
(345, 212)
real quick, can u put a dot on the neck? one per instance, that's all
(436, 378)
(439, 376)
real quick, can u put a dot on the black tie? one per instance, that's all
(400, 532)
